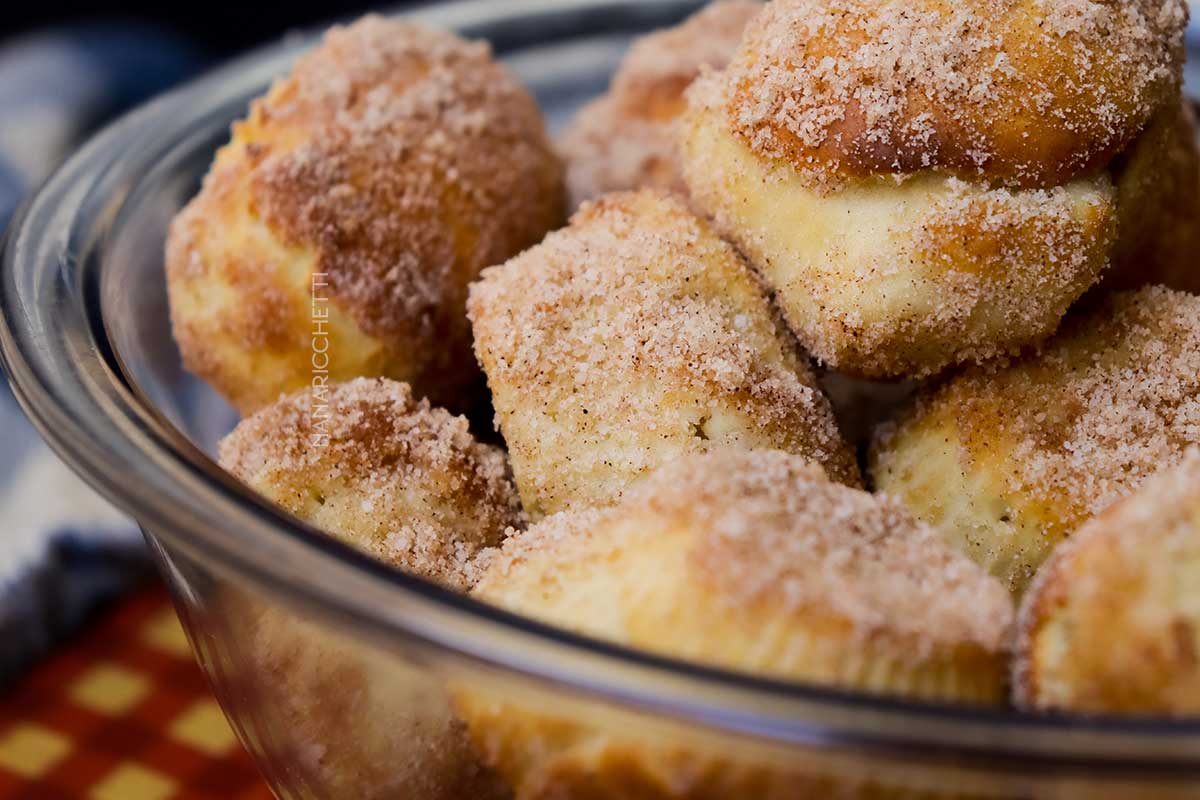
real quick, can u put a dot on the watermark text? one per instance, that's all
(319, 361)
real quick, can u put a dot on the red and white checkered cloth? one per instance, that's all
(122, 713)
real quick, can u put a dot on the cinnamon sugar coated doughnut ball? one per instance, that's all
(391, 475)
(927, 183)
(749, 561)
(629, 339)
(1010, 458)
(1158, 192)
(407, 484)
(626, 138)
(338, 230)
(1111, 625)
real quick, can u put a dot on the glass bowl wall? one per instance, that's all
(336, 672)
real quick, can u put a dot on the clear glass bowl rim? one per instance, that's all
(70, 381)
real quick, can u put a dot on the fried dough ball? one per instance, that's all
(1111, 625)
(396, 478)
(626, 138)
(1010, 458)
(1158, 198)
(338, 230)
(407, 484)
(751, 561)
(925, 184)
(630, 338)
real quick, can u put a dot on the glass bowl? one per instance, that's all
(337, 672)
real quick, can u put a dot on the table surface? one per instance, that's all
(122, 713)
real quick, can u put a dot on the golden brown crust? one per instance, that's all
(1111, 625)
(1011, 457)
(1024, 92)
(1158, 202)
(394, 162)
(625, 139)
(367, 463)
(630, 338)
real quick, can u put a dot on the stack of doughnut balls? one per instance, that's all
(868, 357)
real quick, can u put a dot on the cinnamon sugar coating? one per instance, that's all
(380, 176)
(931, 183)
(368, 464)
(405, 483)
(1158, 200)
(762, 532)
(631, 338)
(1029, 93)
(1111, 625)
(625, 139)
(894, 276)
(1010, 458)
(749, 561)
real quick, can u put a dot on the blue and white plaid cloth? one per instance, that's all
(62, 549)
